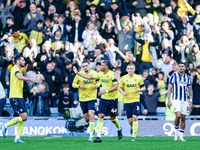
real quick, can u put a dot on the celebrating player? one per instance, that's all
(16, 98)
(179, 83)
(108, 101)
(87, 95)
(130, 86)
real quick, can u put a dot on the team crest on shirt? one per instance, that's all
(107, 76)
(126, 80)
(135, 80)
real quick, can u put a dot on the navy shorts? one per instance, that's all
(108, 106)
(132, 109)
(18, 105)
(88, 105)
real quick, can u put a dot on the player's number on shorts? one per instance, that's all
(138, 108)
(114, 110)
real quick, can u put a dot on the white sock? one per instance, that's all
(17, 137)
(177, 129)
(5, 126)
(99, 135)
(181, 133)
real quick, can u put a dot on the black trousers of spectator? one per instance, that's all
(195, 111)
(2, 104)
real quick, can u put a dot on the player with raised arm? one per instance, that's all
(87, 95)
(108, 101)
(179, 84)
(130, 86)
(16, 98)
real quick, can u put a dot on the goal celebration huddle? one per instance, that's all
(88, 81)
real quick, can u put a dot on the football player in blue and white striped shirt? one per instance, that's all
(179, 84)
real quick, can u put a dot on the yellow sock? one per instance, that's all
(14, 121)
(116, 122)
(92, 126)
(20, 128)
(135, 128)
(131, 124)
(99, 127)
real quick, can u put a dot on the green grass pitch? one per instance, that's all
(109, 143)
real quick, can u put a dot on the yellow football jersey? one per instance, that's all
(130, 84)
(89, 93)
(16, 85)
(107, 80)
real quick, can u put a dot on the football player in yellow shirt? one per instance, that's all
(108, 101)
(130, 86)
(16, 98)
(87, 95)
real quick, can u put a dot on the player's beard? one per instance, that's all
(86, 71)
(22, 65)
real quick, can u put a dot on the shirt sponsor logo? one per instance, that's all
(131, 85)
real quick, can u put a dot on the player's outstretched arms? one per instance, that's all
(20, 77)
(82, 75)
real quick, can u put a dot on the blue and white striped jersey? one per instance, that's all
(180, 86)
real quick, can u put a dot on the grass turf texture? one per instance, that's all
(109, 143)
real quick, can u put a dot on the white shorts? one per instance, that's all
(182, 106)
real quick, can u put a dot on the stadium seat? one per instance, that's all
(161, 111)
(54, 111)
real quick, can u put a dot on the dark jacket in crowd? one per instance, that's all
(54, 86)
(20, 13)
(71, 75)
(4, 64)
(65, 101)
(42, 103)
(81, 28)
(196, 93)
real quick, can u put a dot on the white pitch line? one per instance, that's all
(52, 137)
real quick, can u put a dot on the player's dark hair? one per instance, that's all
(181, 63)
(65, 85)
(85, 61)
(161, 73)
(18, 57)
(107, 63)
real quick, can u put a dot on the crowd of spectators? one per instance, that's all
(55, 35)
